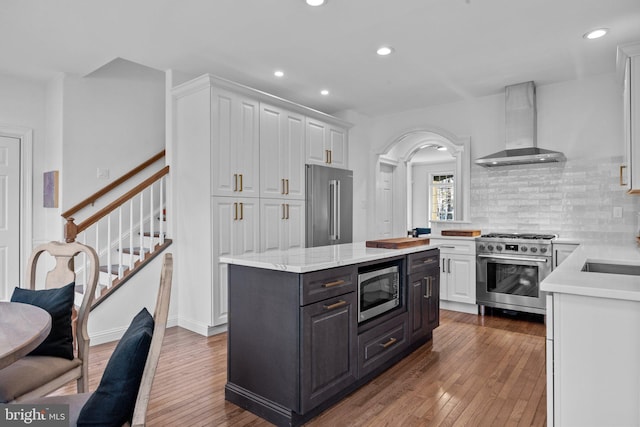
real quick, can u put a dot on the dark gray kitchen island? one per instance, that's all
(296, 345)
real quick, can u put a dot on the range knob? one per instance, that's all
(481, 247)
(490, 247)
(534, 250)
(543, 250)
(523, 248)
(499, 247)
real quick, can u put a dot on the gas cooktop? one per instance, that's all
(524, 236)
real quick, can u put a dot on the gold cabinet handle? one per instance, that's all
(330, 156)
(287, 181)
(284, 210)
(389, 343)
(287, 210)
(334, 283)
(241, 210)
(235, 182)
(326, 153)
(338, 304)
(622, 167)
(241, 187)
(235, 209)
(283, 190)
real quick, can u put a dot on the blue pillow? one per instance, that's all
(58, 303)
(113, 402)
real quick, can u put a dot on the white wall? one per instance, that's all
(582, 118)
(112, 119)
(23, 104)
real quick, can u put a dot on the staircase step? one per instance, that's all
(155, 234)
(115, 269)
(135, 251)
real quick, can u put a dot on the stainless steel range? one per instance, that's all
(509, 269)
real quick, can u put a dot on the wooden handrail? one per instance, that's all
(71, 229)
(95, 196)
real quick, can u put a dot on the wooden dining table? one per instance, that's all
(22, 328)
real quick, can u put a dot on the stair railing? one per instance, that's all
(137, 211)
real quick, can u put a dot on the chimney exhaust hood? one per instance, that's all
(520, 120)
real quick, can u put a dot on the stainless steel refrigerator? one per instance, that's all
(329, 205)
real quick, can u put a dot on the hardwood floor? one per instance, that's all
(478, 371)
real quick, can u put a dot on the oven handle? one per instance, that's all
(512, 258)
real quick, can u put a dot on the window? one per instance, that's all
(441, 200)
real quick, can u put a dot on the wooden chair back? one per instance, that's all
(160, 315)
(62, 274)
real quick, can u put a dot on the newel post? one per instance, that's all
(70, 231)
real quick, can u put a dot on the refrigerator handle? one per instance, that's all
(337, 210)
(333, 207)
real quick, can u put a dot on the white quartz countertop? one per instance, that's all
(304, 260)
(569, 278)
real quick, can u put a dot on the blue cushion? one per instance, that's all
(113, 401)
(58, 303)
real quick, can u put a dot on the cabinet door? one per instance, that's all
(272, 165)
(223, 213)
(272, 224)
(246, 228)
(633, 99)
(329, 348)
(223, 169)
(293, 151)
(338, 147)
(294, 237)
(246, 144)
(424, 303)
(461, 271)
(235, 151)
(316, 137)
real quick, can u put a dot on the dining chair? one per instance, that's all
(113, 403)
(65, 356)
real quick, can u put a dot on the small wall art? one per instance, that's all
(50, 189)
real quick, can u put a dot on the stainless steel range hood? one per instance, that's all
(520, 120)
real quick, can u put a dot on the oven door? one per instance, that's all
(512, 281)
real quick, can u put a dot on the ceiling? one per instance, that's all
(445, 50)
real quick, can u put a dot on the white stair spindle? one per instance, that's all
(162, 212)
(120, 255)
(141, 225)
(131, 233)
(151, 218)
(97, 225)
(84, 262)
(109, 250)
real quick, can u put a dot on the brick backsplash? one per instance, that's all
(574, 199)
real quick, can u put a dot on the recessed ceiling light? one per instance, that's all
(278, 73)
(596, 34)
(324, 92)
(316, 2)
(384, 50)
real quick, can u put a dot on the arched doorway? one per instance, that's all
(394, 165)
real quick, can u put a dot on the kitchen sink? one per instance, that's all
(603, 267)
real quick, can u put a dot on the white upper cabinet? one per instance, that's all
(326, 144)
(282, 153)
(629, 64)
(235, 145)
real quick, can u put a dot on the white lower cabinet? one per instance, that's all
(236, 225)
(593, 349)
(457, 273)
(281, 224)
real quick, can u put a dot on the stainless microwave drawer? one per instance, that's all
(323, 284)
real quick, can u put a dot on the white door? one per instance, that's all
(385, 202)
(9, 215)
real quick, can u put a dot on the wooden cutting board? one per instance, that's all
(461, 233)
(397, 243)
